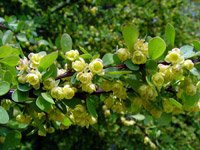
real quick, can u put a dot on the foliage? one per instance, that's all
(142, 95)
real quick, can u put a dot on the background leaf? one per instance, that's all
(4, 117)
(130, 35)
(47, 61)
(156, 47)
(170, 34)
(4, 87)
(66, 42)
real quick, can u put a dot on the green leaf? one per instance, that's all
(175, 103)
(119, 72)
(8, 77)
(19, 96)
(47, 61)
(190, 101)
(10, 60)
(5, 51)
(90, 102)
(83, 50)
(4, 117)
(130, 35)
(131, 66)
(151, 66)
(195, 72)
(165, 119)
(67, 122)
(156, 47)
(139, 117)
(196, 45)
(86, 56)
(50, 73)
(108, 59)
(48, 97)
(66, 42)
(4, 87)
(7, 37)
(12, 140)
(170, 34)
(187, 51)
(43, 104)
(23, 87)
(22, 37)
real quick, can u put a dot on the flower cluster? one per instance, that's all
(138, 55)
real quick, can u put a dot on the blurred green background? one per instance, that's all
(96, 25)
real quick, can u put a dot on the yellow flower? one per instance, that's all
(96, 66)
(123, 54)
(79, 65)
(72, 55)
(139, 58)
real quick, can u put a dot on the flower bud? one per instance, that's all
(79, 65)
(89, 87)
(140, 45)
(138, 58)
(72, 55)
(167, 106)
(188, 64)
(147, 92)
(123, 54)
(174, 57)
(57, 93)
(96, 66)
(84, 77)
(33, 78)
(158, 79)
(22, 78)
(68, 92)
(23, 64)
(35, 59)
(49, 83)
(191, 90)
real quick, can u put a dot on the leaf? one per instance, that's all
(108, 59)
(119, 72)
(139, 117)
(12, 140)
(48, 97)
(47, 61)
(4, 87)
(5, 51)
(50, 73)
(10, 60)
(190, 101)
(165, 119)
(7, 37)
(67, 122)
(175, 103)
(4, 117)
(187, 51)
(151, 66)
(66, 42)
(131, 66)
(8, 77)
(90, 102)
(196, 45)
(170, 34)
(23, 87)
(130, 35)
(195, 72)
(156, 47)
(43, 104)
(22, 37)
(19, 96)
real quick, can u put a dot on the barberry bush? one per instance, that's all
(56, 89)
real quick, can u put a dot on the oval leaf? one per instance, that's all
(47, 61)
(130, 35)
(4, 118)
(43, 104)
(66, 42)
(4, 87)
(48, 98)
(156, 47)
(170, 34)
